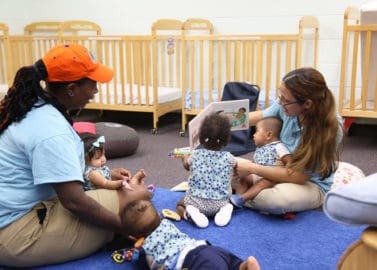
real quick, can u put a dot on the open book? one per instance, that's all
(183, 186)
(236, 110)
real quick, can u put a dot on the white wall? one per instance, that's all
(228, 16)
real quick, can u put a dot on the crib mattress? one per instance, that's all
(3, 90)
(131, 94)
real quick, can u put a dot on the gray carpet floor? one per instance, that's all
(360, 146)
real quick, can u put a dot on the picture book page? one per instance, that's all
(236, 110)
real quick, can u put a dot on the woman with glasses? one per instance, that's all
(312, 131)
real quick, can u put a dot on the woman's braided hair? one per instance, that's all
(25, 92)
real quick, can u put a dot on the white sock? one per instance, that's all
(198, 218)
(222, 217)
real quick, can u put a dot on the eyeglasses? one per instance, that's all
(283, 101)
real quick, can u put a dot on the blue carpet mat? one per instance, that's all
(309, 241)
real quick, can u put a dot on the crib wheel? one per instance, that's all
(154, 130)
(182, 133)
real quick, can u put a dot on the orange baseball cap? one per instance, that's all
(72, 62)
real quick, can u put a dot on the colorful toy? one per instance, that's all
(289, 215)
(128, 254)
(179, 152)
(170, 46)
(170, 214)
(151, 188)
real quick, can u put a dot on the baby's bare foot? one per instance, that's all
(138, 178)
(250, 264)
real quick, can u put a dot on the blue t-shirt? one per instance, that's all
(42, 148)
(290, 135)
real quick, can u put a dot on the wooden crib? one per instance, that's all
(147, 70)
(72, 27)
(4, 59)
(210, 61)
(173, 68)
(38, 39)
(358, 83)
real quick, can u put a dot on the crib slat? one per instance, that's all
(364, 91)
(210, 70)
(197, 64)
(354, 71)
(358, 88)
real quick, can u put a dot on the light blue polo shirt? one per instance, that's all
(291, 133)
(42, 148)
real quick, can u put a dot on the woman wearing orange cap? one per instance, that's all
(45, 215)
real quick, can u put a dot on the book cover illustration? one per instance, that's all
(236, 110)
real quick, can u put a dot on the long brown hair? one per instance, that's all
(317, 150)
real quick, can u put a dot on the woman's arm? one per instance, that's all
(73, 198)
(287, 160)
(275, 174)
(254, 117)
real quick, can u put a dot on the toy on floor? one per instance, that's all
(128, 254)
(151, 188)
(179, 152)
(170, 214)
(132, 254)
(289, 215)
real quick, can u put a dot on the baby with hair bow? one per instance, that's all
(97, 174)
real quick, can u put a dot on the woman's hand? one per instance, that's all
(121, 174)
(272, 173)
(244, 167)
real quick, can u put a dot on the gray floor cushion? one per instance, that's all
(121, 140)
(354, 203)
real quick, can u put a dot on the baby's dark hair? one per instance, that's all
(133, 222)
(214, 132)
(88, 139)
(273, 124)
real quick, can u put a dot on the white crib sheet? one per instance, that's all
(164, 94)
(3, 90)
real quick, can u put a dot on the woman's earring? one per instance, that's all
(70, 93)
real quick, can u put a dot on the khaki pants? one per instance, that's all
(59, 238)
(286, 197)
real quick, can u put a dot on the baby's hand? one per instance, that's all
(126, 185)
(120, 174)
